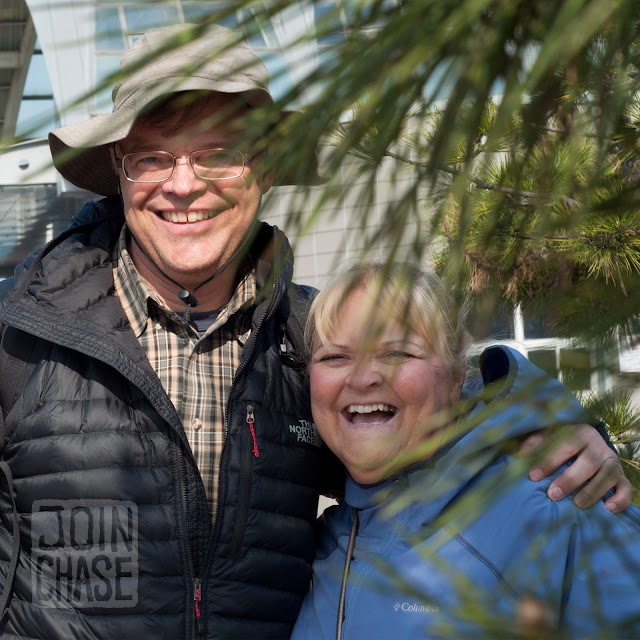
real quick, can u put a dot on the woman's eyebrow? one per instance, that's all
(402, 342)
(331, 345)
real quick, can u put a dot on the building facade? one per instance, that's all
(54, 54)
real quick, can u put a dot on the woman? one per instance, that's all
(441, 533)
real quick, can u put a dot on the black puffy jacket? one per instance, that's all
(114, 538)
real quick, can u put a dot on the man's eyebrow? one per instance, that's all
(144, 147)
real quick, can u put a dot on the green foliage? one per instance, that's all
(521, 120)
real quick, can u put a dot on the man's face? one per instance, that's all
(188, 226)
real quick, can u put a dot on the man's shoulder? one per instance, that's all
(300, 298)
(302, 294)
(6, 286)
(94, 211)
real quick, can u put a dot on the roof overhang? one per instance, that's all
(17, 41)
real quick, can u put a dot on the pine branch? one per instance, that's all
(483, 184)
(584, 134)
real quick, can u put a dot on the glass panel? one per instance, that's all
(490, 319)
(105, 65)
(326, 56)
(231, 21)
(193, 12)
(545, 359)
(37, 81)
(36, 118)
(576, 368)
(142, 18)
(537, 325)
(265, 36)
(108, 30)
(328, 20)
(364, 11)
(280, 81)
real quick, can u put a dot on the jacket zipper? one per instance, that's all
(215, 535)
(242, 508)
(251, 421)
(187, 548)
(197, 596)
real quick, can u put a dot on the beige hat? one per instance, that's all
(211, 59)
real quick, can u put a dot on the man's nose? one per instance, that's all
(184, 181)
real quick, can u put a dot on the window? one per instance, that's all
(37, 114)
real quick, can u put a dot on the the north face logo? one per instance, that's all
(306, 432)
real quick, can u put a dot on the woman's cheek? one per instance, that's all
(325, 388)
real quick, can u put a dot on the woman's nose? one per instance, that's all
(365, 372)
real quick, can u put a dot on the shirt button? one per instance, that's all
(197, 424)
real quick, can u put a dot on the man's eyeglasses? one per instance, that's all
(208, 164)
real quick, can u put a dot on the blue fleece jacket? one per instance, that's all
(465, 544)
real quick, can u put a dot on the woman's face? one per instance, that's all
(372, 400)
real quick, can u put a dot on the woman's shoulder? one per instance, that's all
(509, 513)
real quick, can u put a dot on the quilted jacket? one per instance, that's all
(113, 536)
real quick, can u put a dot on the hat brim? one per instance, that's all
(81, 151)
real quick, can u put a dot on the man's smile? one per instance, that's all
(187, 216)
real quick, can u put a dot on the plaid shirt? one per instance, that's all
(196, 372)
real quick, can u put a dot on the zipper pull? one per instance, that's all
(197, 596)
(250, 420)
(283, 343)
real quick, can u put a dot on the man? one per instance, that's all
(161, 465)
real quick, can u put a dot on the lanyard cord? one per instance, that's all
(345, 574)
(184, 294)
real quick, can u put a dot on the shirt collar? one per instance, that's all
(137, 294)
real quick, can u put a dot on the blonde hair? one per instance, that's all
(399, 292)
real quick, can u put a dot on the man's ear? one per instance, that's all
(112, 153)
(265, 181)
(265, 172)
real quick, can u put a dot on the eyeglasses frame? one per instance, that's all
(246, 159)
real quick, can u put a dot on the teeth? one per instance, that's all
(181, 216)
(369, 408)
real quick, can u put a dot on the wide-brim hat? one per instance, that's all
(162, 62)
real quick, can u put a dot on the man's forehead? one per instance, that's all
(226, 112)
(143, 137)
(216, 120)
